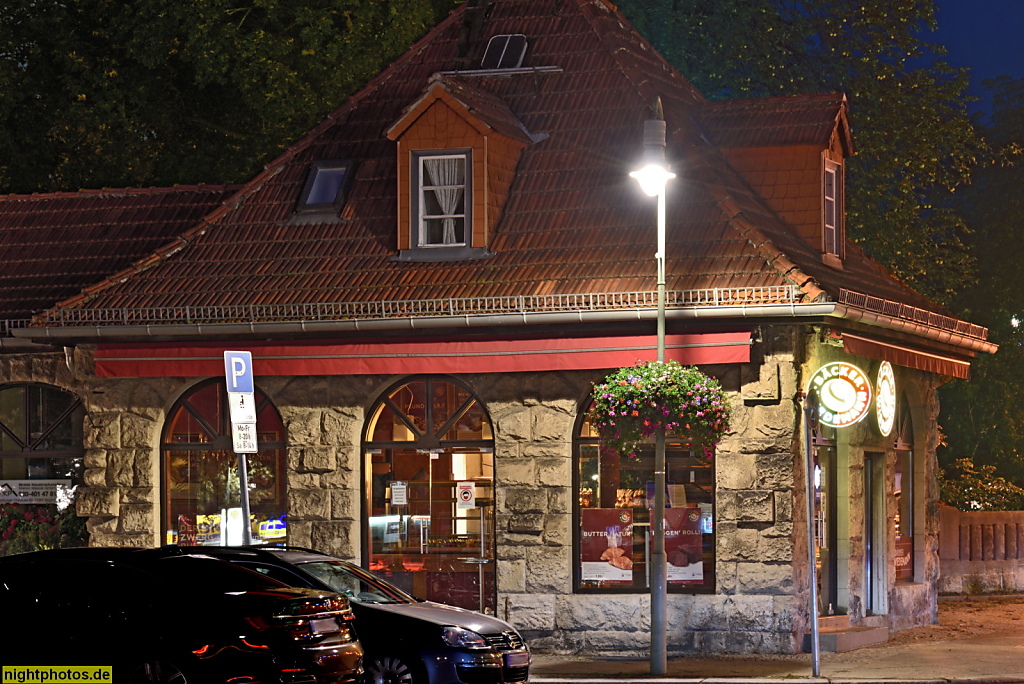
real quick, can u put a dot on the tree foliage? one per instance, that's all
(915, 142)
(977, 488)
(98, 93)
(984, 417)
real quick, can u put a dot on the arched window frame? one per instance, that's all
(905, 513)
(218, 431)
(19, 441)
(420, 571)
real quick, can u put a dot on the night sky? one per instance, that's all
(985, 35)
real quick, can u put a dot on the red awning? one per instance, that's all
(907, 357)
(421, 356)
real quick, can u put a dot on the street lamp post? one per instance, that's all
(653, 177)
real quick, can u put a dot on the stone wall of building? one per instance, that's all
(756, 606)
(533, 418)
(120, 497)
(761, 598)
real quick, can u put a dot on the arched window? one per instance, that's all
(903, 488)
(201, 503)
(40, 434)
(614, 497)
(429, 473)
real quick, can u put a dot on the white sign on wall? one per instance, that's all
(844, 394)
(885, 398)
(399, 493)
(31, 491)
(465, 495)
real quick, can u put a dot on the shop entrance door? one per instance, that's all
(874, 533)
(429, 464)
(826, 529)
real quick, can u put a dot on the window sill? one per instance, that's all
(319, 216)
(832, 260)
(437, 254)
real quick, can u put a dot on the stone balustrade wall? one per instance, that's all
(981, 552)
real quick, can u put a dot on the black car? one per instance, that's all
(406, 640)
(160, 617)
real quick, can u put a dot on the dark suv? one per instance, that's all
(406, 640)
(155, 616)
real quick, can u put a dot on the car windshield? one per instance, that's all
(355, 583)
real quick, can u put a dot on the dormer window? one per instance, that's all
(457, 148)
(325, 186)
(832, 212)
(442, 207)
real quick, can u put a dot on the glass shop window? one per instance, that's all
(614, 498)
(904, 519)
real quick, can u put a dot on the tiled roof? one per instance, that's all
(777, 121)
(53, 245)
(484, 107)
(574, 222)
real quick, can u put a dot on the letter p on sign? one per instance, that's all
(238, 371)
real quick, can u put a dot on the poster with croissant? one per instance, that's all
(684, 546)
(606, 545)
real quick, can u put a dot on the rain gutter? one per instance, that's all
(60, 334)
(13, 345)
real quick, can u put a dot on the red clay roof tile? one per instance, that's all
(54, 245)
(573, 222)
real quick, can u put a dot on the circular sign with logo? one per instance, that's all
(885, 398)
(844, 394)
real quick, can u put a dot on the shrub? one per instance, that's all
(971, 487)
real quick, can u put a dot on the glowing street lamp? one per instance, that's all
(653, 177)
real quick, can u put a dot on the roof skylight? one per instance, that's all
(325, 186)
(505, 51)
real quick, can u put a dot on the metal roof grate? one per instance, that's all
(911, 313)
(335, 311)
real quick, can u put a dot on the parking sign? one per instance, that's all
(238, 371)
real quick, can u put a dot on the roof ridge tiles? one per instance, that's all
(115, 192)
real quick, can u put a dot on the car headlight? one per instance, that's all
(460, 637)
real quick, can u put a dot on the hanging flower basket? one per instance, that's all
(634, 403)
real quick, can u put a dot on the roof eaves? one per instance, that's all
(157, 256)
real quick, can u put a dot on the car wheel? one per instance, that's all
(158, 672)
(387, 669)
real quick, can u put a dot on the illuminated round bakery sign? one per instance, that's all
(885, 398)
(844, 394)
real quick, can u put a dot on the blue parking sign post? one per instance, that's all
(238, 371)
(241, 400)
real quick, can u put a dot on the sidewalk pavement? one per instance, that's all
(967, 650)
